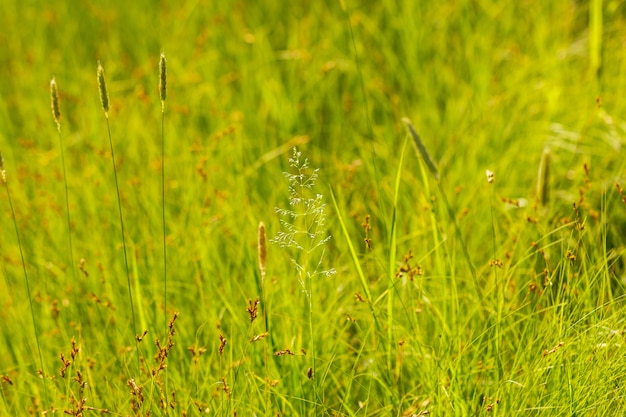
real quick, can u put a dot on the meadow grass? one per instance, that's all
(455, 293)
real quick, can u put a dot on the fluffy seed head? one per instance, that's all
(102, 87)
(421, 148)
(163, 78)
(262, 249)
(54, 102)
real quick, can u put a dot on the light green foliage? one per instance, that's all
(455, 297)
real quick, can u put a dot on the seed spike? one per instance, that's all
(3, 172)
(102, 87)
(163, 79)
(262, 249)
(543, 181)
(421, 148)
(54, 102)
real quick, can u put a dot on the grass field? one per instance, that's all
(264, 236)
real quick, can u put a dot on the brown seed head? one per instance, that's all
(54, 101)
(102, 87)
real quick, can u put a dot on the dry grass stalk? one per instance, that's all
(102, 87)
(54, 102)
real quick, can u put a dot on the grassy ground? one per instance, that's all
(468, 297)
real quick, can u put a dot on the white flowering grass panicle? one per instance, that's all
(303, 223)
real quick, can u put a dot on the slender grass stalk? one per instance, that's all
(357, 265)
(392, 257)
(56, 114)
(495, 264)
(383, 210)
(433, 169)
(163, 96)
(104, 99)
(30, 298)
(262, 255)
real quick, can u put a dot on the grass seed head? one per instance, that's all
(262, 249)
(421, 148)
(543, 182)
(102, 87)
(54, 102)
(163, 78)
(3, 172)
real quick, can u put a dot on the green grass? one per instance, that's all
(473, 299)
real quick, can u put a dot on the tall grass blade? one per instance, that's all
(355, 260)
(421, 148)
(595, 36)
(163, 96)
(28, 291)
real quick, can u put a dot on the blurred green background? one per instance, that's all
(488, 84)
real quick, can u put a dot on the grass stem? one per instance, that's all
(27, 281)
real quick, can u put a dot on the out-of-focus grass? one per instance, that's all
(487, 85)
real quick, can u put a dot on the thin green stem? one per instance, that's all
(119, 207)
(30, 298)
(163, 216)
(68, 218)
(499, 291)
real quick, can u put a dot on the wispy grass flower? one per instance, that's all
(303, 223)
(304, 232)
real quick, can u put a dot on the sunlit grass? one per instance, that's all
(453, 294)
